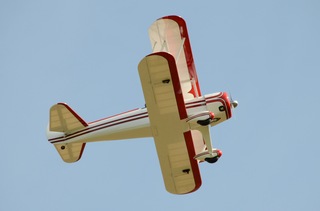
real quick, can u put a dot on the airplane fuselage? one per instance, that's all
(135, 123)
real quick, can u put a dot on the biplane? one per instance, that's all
(176, 114)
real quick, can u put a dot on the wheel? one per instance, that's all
(211, 160)
(205, 122)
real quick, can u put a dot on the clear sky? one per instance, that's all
(85, 53)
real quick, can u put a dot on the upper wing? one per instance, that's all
(167, 113)
(170, 34)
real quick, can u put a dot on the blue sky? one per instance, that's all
(85, 53)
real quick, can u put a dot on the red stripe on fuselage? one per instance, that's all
(143, 114)
(101, 126)
(114, 115)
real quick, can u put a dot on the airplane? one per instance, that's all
(176, 114)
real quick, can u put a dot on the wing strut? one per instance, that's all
(205, 130)
(180, 49)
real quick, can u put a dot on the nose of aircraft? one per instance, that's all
(219, 153)
(234, 103)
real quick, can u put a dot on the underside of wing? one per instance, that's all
(167, 113)
(170, 34)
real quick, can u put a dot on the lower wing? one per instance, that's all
(167, 113)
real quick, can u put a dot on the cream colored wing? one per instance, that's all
(167, 113)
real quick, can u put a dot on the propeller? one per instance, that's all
(234, 103)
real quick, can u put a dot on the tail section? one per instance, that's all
(65, 121)
(70, 152)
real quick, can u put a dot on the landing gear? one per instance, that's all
(208, 121)
(205, 122)
(212, 160)
(210, 157)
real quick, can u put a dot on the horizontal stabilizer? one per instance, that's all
(64, 119)
(70, 152)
